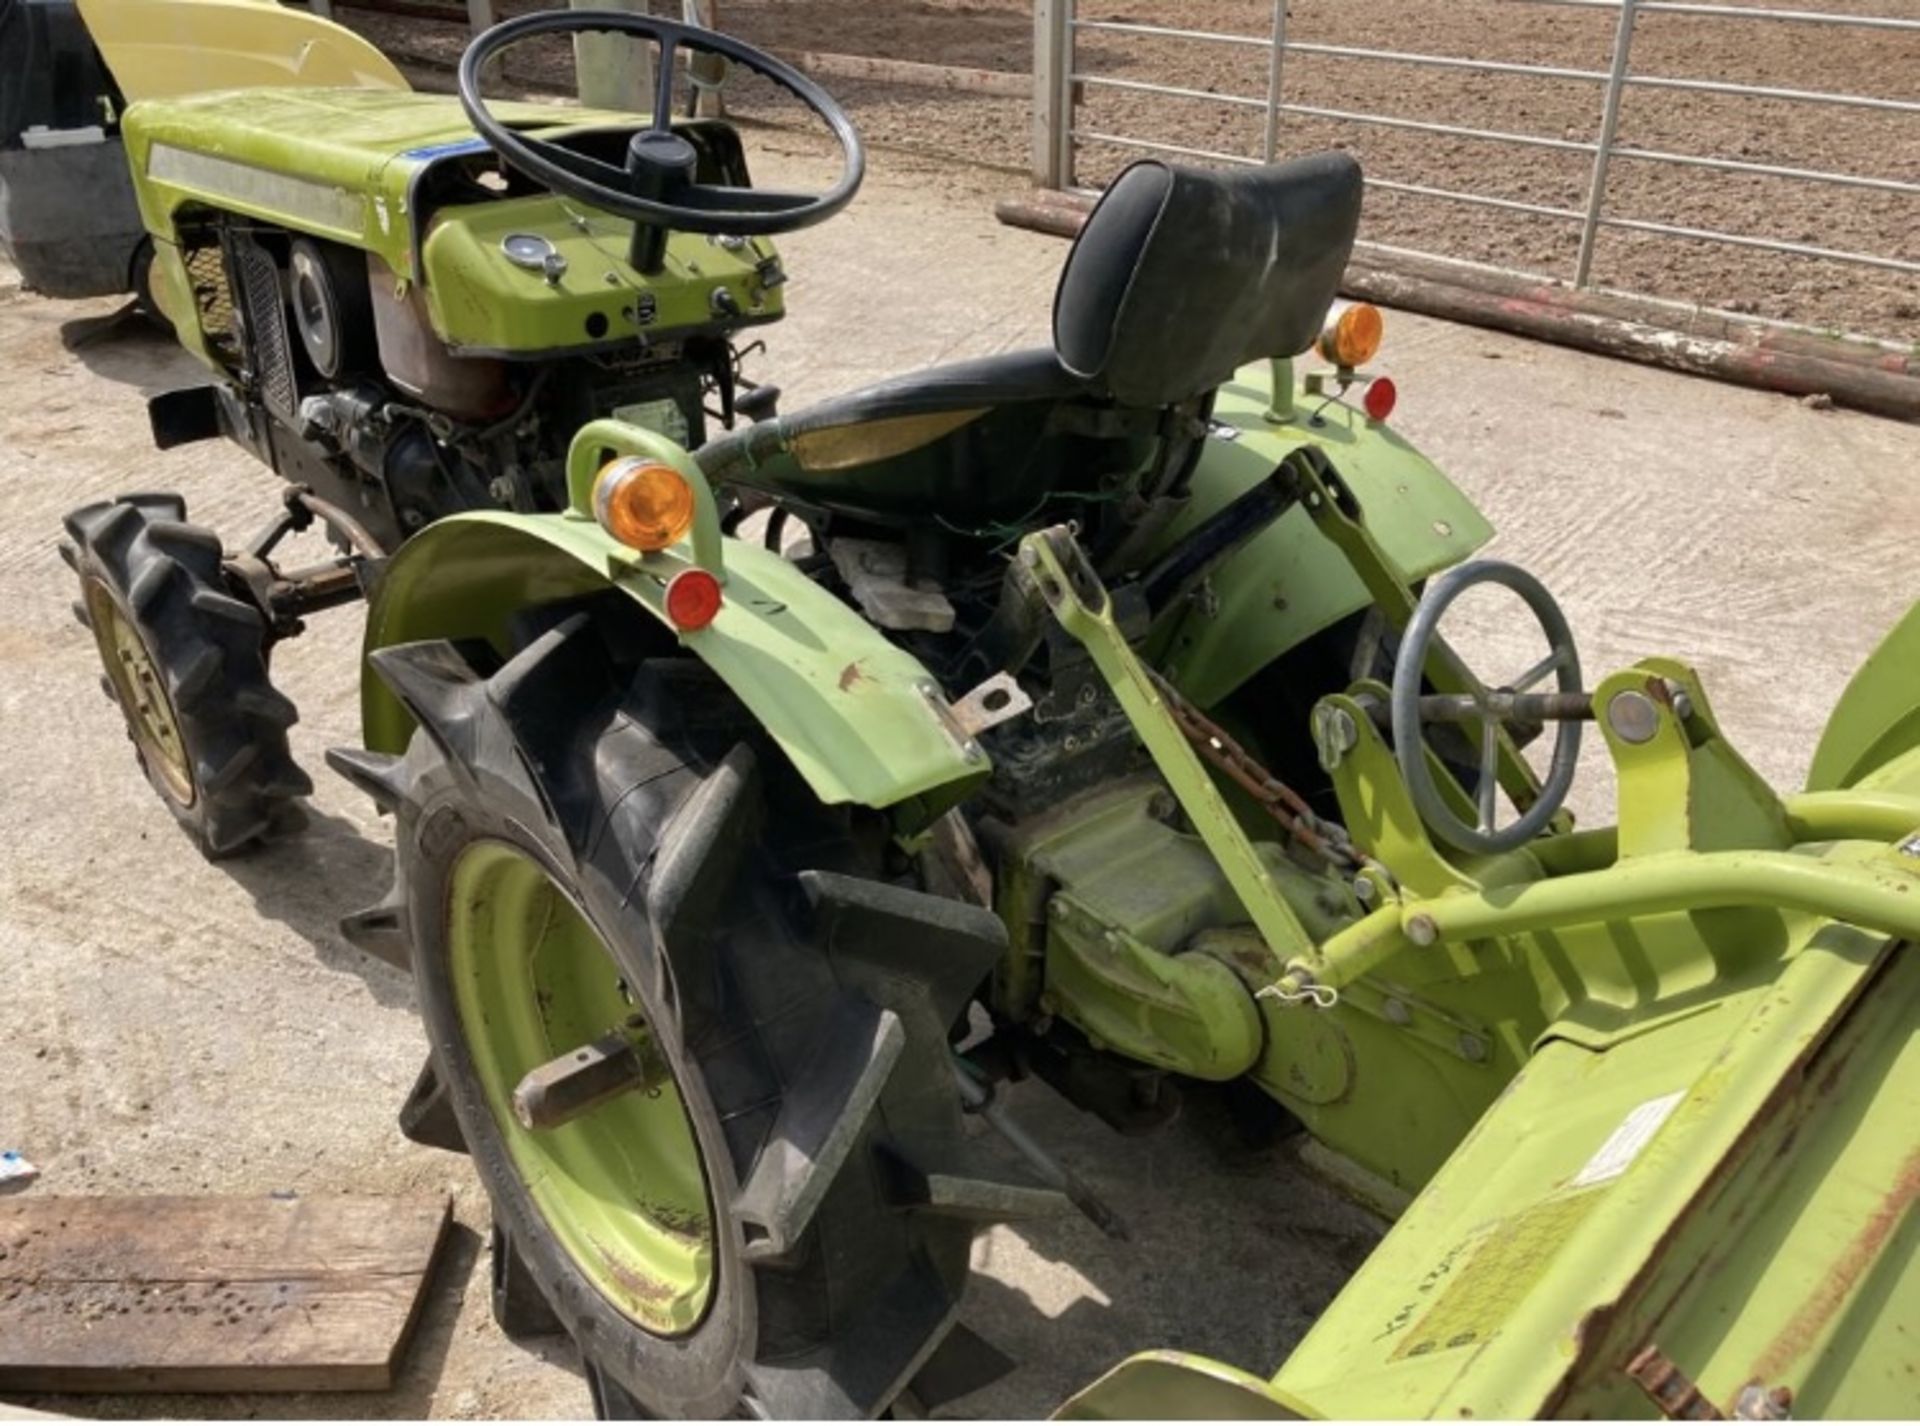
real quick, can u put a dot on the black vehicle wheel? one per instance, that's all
(186, 662)
(774, 1215)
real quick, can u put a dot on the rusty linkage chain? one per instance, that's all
(1288, 808)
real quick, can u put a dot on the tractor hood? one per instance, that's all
(340, 162)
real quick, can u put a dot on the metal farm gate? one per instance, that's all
(1063, 75)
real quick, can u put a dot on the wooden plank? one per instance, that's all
(211, 1294)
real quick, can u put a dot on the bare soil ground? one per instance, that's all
(998, 34)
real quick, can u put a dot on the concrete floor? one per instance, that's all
(173, 1027)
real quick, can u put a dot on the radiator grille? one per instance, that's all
(265, 323)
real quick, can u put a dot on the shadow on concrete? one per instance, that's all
(1235, 1250)
(426, 1356)
(127, 347)
(312, 879)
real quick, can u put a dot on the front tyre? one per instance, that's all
(186, 663)
(775, 1218)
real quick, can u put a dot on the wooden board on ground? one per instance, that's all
(211, 1294)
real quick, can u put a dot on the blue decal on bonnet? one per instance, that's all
(473, 145)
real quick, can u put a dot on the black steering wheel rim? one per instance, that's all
(1409, 745)
(534, 157)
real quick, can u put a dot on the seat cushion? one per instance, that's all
(973, 442)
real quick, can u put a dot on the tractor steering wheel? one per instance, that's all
(1490, 708)
(657, 187)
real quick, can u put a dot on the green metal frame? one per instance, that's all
(1675, 1044)
(1652, 1085)
(1289, 582)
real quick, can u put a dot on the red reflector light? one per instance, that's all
(1380, 398)
(693, 598)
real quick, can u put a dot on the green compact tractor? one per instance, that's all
(768, 787)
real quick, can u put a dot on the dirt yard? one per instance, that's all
(998, 34)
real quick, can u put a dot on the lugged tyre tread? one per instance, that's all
(210, 649)
(843, 1315)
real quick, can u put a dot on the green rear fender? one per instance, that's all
(1878, 717)
(1289, 582)
(862, 720)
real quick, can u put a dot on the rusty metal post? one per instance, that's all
(561, 1090)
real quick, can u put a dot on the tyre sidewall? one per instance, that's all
(695, 1375)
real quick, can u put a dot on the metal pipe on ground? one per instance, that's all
(1854, 374)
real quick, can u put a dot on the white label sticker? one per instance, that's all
(1624, 1144)
(664, 416)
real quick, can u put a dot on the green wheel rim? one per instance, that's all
(621, 1187)
(141, 692)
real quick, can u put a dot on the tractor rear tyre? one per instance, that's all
(186, 662)
(773, 1215)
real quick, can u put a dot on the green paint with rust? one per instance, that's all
(1687, 1125)
(1640, 1183)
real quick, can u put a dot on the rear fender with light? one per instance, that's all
(862, 720)
(1289, 582)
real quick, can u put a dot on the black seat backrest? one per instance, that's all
(1182, 275)
(1179, 277)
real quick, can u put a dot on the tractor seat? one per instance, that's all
(1179, 277)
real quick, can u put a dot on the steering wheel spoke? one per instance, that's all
(1539, 671)
(663, 83)
(1489, 787)
(580, 165)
